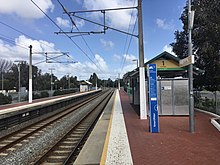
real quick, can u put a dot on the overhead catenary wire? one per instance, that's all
(65, 10)
(13, 42)
(24, 46)
(25, 34)
(129, 44)
(9, 40)
(65, 33)
(123, 60)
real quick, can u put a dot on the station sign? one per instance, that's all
(187, 61)
(152, 84)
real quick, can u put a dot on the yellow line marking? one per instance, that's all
(105, 148)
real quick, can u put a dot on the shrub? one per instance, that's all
(44, 94)
(5, 99)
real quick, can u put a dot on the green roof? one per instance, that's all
(166, 56)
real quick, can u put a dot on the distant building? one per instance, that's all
(85, 86)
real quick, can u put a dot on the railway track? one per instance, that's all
(16, 140)
(66, 149)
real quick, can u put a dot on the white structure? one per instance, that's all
(85, 86)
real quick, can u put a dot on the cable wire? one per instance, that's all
(24, 34)
(65, 10)
(128, 32)
(129, 45)
(65, 33)
(13, 42)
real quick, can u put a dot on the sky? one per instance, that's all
(36, 23)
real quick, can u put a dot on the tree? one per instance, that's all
(94, 79)
(73, 82)
(5, 66)
(206, 43)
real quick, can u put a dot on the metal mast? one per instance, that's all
(190, 69)
(143, 107)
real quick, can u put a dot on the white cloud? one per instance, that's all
(67, 24)
(116, 57)
(62, 22)
(129, 58)
(107, 44)
(169, 49)
(119, 19)
(163, 24)
(83, 69)
(26, 9)
(79, 23)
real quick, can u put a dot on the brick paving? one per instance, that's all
(174, 144)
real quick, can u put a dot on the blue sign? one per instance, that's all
(152, 84)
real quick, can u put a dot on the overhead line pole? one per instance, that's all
(190, 69)
(143, 106)
(30, 76)
(51, 80)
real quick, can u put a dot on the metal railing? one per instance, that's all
(207, 100)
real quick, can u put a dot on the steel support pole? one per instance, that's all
(30, 76)
(69, 82)
(51, 85)
(19, 82)
(190, 70)
(2, 81)
(143, 106)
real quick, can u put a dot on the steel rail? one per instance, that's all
(50, 120)
(69, 156)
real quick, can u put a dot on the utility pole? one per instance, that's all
(30, 76)
(68, 80)
(190, 69)
(2, 81)
(96, 85)
(143, 106)
(19, 79)
(19, 82)
(51, 80)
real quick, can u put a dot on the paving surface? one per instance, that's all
(174, 144)
(92, 150)
(118, 146)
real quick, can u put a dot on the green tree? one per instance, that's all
(206, 43)
(5, 66)
(93, 79)
(73, 82)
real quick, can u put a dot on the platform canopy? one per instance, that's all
(167, 67)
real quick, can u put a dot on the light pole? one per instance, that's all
(19, 79)
(51, 80)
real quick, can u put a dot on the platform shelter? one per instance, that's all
(172, 85)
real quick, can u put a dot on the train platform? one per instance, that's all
(120, 137)
(13, 109)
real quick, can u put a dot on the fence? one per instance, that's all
(206, 100)
(40, 94)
